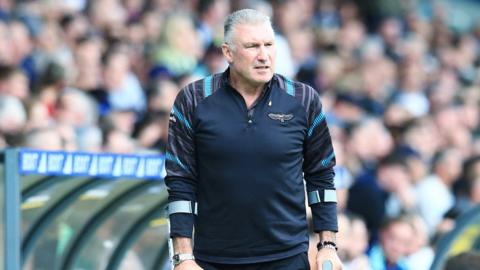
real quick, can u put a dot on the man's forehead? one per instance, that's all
(256, 25)
(254, 32)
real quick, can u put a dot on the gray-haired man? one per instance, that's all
(240, 144)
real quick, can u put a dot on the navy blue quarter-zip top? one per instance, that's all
(245, 168)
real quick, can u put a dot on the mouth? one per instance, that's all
(262, 67)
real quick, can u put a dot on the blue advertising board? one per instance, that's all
(91, 164)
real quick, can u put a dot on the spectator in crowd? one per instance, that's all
(369, 146)
(38, 116)
(117, 141)
(180, 49)
(420, 254)
(13, 118)
(13, 82)
(472, 181)
(5, 44)
(435, 193)
(395, 179)
(88, 68)
(357, 245)
(161, 95)
(467, 195)
(343, 178)
(44, 139)
(53, 48)
(396, 234)
(76, 116)
(210, 20)
(51, 85)
(121, 88)
(22, 48)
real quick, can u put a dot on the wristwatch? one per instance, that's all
(181, 257)
(327, 244)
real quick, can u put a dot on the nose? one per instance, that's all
(262, 53)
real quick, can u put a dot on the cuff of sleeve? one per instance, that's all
(324, 217)
(181, 225)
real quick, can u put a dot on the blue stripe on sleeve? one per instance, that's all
(327, 160)
(169, 156)
(180, 117)
(316, 122)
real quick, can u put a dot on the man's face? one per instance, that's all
(252, 54)
(396, 240)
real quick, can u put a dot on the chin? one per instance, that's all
(263, 78)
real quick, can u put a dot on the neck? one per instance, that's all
(244, 87)
(248, 90)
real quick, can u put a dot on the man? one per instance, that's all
(238, 144)
(396, 234)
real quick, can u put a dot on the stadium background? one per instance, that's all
(399, 80)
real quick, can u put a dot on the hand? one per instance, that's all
(328, 254)
(188, 265)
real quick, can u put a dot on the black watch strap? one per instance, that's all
(327, 244)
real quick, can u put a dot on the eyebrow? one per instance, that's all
(256, 43)
(248, 44)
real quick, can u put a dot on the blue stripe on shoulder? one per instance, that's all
(290, 87)
(316, 122)
(169, 156)
(207, 86)
(180, 117)
(327, 160)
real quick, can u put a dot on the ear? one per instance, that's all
(227, 52)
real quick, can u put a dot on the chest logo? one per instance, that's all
(281, 117)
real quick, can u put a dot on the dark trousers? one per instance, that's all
(297, 262)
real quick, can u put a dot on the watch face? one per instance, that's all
(176, 259)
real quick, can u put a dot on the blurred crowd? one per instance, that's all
(400, 88)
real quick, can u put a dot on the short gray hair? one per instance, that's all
(243, 16)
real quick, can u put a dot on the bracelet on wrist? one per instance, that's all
(181, 257)
(327, 244)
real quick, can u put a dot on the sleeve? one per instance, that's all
(319, 160)
(180, 164)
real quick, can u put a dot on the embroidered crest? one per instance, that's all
(281, 117)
